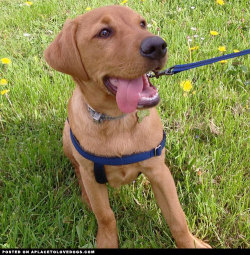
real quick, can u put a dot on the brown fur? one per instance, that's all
(78, 52)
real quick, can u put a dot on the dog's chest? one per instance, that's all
(120, 175)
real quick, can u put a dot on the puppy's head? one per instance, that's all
(109, 51)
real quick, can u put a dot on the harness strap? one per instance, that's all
(100, 161)
(99, 172)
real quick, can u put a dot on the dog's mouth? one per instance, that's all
(132, 94)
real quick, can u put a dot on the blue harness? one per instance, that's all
(100, 161)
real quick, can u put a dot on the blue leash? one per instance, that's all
(180, 68)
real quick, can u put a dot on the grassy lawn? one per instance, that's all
(206, 125)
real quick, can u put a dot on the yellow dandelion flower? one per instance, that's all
(223, 61)
(3, 82)
(88, 9)
(235, 51)
(5, 61)
(212, 32)
(28, 3)
(186, 85)
(222, 48)
(4, 91)
(194, 48)
(220, 2)
(124, 2)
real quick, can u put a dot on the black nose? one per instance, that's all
(153, 47)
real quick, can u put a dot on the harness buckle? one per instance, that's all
(157, 151)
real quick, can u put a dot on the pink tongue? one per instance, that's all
(127, 95)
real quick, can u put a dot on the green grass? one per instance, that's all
(207, 145)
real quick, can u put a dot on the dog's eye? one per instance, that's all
(143, 24)
(105, 33)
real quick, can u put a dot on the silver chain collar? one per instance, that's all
(100, 117)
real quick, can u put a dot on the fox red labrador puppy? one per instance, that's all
(108, 52)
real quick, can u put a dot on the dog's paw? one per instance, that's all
(200, 244)
(191, 241)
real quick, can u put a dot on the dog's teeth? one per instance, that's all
(146, 80)
(149, 98)
(114, 81)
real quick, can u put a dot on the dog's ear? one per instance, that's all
(63, 54)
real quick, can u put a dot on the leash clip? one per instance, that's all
(168, 71)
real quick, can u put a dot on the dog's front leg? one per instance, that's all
(166, 195)
(98, 196)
